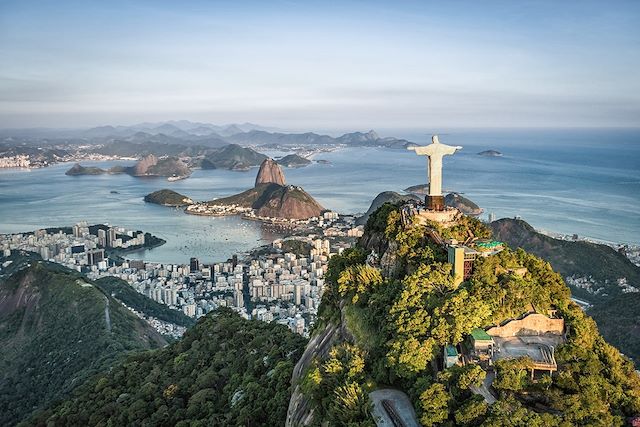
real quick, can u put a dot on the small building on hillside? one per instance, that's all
(488, 247)
(461, 258)
(451, 356)
(481, 342)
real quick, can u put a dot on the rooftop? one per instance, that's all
(479, 334)
(492, 244)
(451, 350)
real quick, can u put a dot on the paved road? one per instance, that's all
(484, 389)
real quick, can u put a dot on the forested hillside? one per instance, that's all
(225, 371)
(56, 330)
(389, 324)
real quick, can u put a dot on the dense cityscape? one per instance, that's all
(269, 285)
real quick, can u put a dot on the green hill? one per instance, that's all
(57, 329)
(233, 157)
(225, 371)
(385, 327)
(274, 200)
(619, 322)
(78, 169)
(294, 161)
(167, 197)
(572, 258)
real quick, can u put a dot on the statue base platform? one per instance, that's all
(446, 217)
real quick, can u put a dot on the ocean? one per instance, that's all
(584, 182)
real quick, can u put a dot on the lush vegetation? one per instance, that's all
(616, 312)
(297, 247)
(122, 291)
(54, 334)
(399, 323)
(619, 322)
(224, 371)
(582, 259)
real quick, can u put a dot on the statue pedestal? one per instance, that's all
(435, 203)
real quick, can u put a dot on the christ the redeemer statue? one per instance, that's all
(435, 151)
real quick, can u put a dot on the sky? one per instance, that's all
(321, 65)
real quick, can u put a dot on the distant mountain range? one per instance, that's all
(183, 132)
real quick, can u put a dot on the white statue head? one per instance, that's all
(435, 140)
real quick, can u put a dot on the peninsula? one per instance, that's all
(270, 199)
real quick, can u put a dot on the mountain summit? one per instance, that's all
(270, 172)
(271, 197)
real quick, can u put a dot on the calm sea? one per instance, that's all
(569, 181)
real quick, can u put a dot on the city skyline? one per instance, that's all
(320, 66)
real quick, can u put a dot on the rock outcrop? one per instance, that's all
(143, 166)
(276, 201)
(270, 172)
(381, 199)
(490, 153)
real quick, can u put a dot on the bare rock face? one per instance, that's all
(300, 410)
(143, 166)
(270, 172)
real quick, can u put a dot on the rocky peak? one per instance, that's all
(372, 135)
(270, 172)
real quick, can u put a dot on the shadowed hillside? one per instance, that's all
(56, 330)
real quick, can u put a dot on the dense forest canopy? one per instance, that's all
(224, 371)
(399, 324)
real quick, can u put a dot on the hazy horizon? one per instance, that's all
(325, 66)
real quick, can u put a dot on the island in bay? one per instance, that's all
(166, 197)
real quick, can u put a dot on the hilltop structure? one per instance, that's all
(435, 152)
(436, 210)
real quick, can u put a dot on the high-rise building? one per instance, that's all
(194, 264)
(111, 237)
(238, 298)
(95, 256)
(297, 294)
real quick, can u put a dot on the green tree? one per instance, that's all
(434, 405)
(471, 412)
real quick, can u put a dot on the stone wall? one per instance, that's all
(532, 324)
